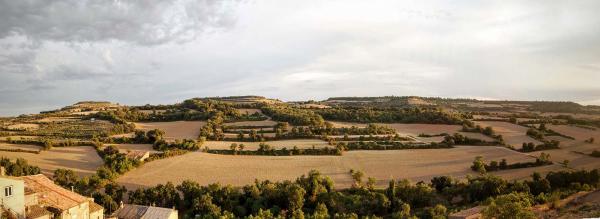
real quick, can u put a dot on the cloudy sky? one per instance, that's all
(54, 53)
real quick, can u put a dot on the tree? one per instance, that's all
(544, 158)
(140, 136)
(241, 146)
(155, 135)
(565, 163)
(371, 183)
(513, 205)
(543, 127)
(441, 182)
(403, 213)
(233, 148)
(48, 144)
(320, 212)
(65, 178)
(204, 205)
(106, 201)
(295, 199)
(493, 165)
(488, 131)
(437, 212)
(479, 165)
(357, 176)
(503, 164)
(110, 150)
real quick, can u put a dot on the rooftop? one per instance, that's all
(136, 154)
(129, 211)
(468, 212)
(51, 194)
(36, 211)
(95, 207)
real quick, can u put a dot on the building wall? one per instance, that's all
(80, 211)
(31, 199)
(146, 156)
(174, 215)
(15, 202)
(43, 217)
(97, 215)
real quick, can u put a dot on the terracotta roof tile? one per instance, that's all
(36, 211)
(129, 211)
(51, 194)
(94, 207)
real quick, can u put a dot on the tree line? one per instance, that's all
(390, 115)
(314, 196)
(18, 168)
(294, 116)
(480, 166)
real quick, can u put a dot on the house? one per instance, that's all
(37, 197)
(128, 211)
(471, 213)
(12, 201)
(137, 155)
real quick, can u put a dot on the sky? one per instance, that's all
(55, 53)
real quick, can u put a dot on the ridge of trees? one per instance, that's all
(390, 115)
(18, 168)
(480, 166)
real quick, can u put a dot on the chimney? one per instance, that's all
(2, 171)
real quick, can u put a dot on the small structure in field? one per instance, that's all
(471, 213)
(138, 155)
(129, 211)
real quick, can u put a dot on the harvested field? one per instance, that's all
(347, 124)
(56, 119)
(415, 165)
(313, 106)
(431, 129)
(575, 132)
(249, 111)
(84, 113)
(267, 122)
(134, 147)
(152, 111)
(174, 130)
(248, 130)
(26, 126)
(488, 117)
(252, 146)
(436, 139)
(83, 160)
(126, 135)
(576, 160)
(18, 137)
(417, 129)
(234, 135)
(18, 146)
(418, 101)
(477, 136)
(513, 134)
(574, 115)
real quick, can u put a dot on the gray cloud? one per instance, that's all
(147, 22)
(57, 52)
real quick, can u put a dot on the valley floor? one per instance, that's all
(415, 165)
